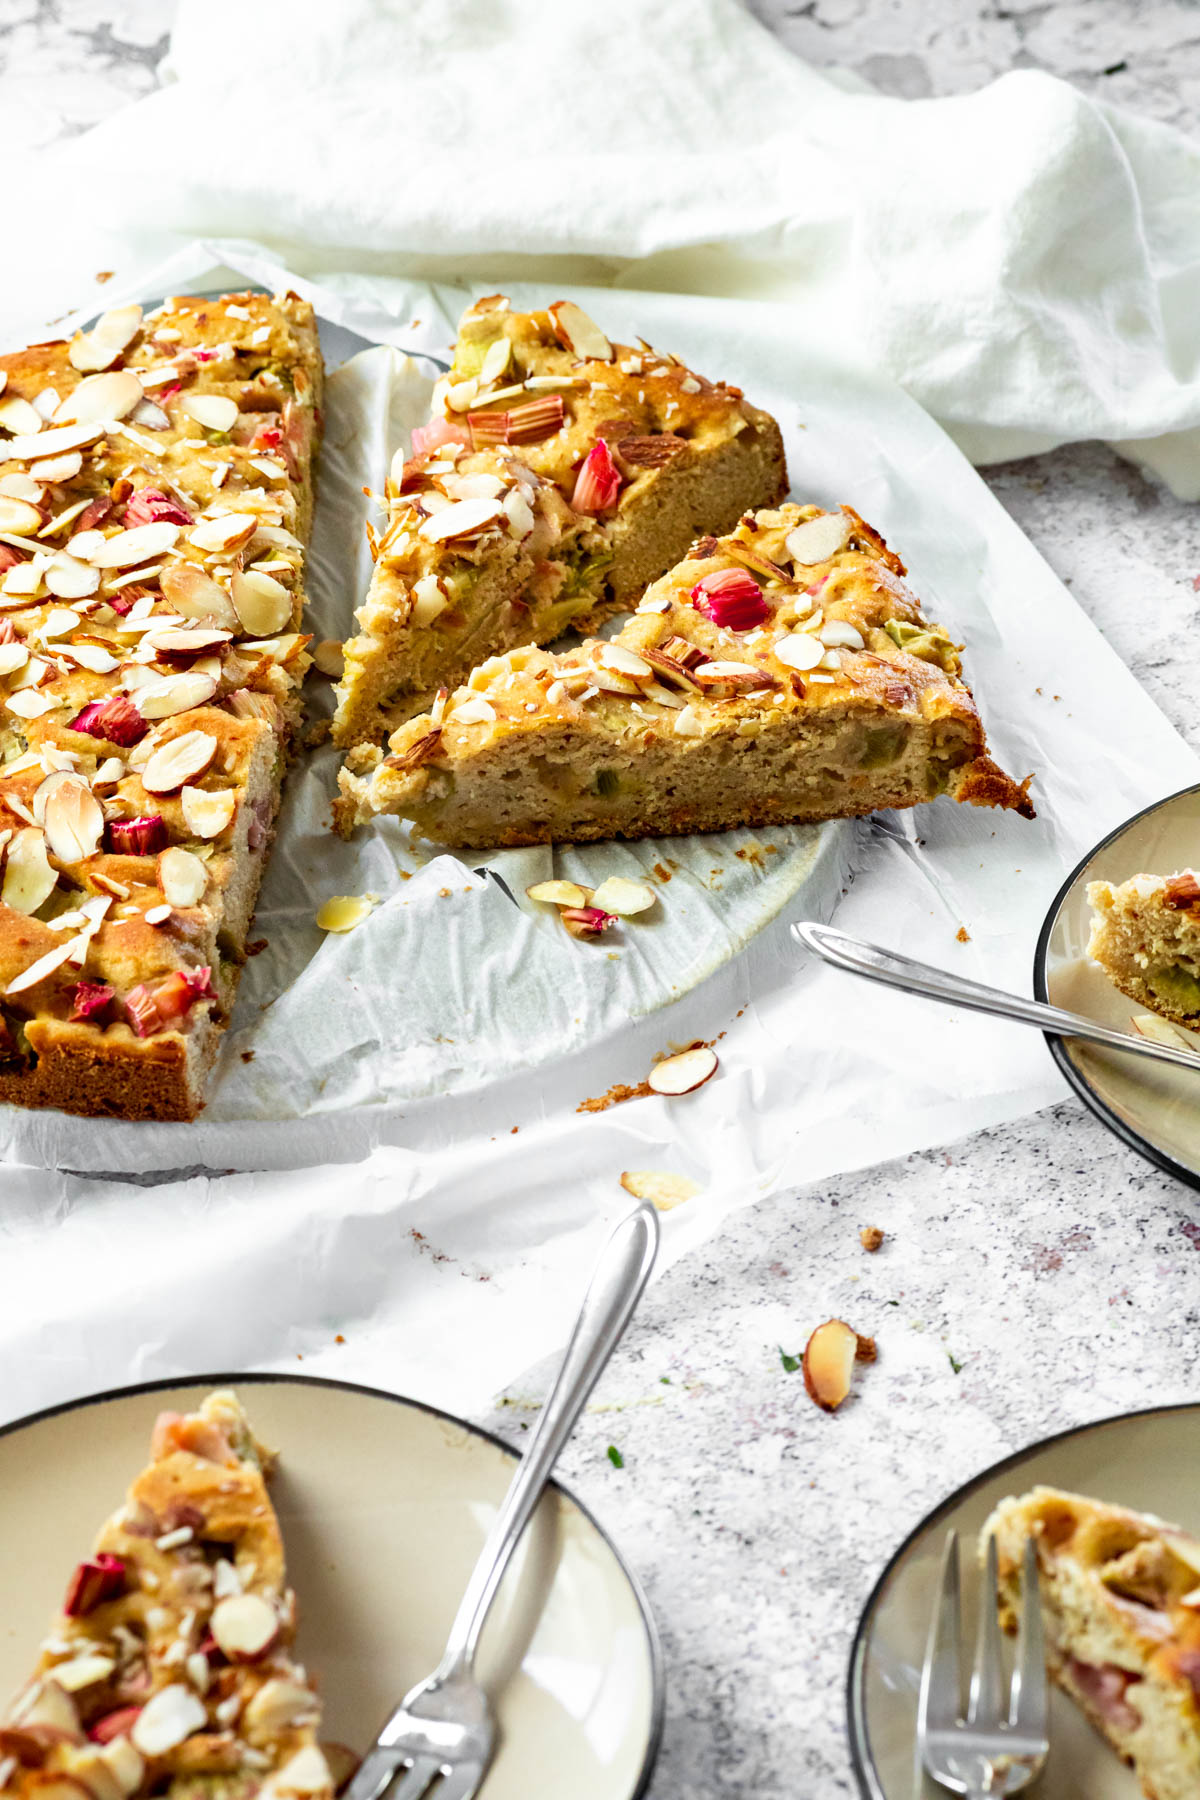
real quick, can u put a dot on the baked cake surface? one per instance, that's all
(1121, 1601)
(559, 475)
(784, 673)
(1146, 938)
(155, 500)
(170, 1670)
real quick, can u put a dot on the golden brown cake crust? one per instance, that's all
(156, 491)
(521, 414)
(783, 674)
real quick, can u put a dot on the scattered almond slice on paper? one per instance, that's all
(344, 911)
(829, 1358)
(662, 1188)
(559, 893)
(684, 1073)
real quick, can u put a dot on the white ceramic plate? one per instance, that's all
(1146, 1460)
(1153, 1107)
(384, 1505)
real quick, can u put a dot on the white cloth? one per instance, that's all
(1024, 260)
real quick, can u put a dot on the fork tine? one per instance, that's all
(460, 1784)
(941, 1691)
(988, 1703)
(1029, 1695)
(415, 1780)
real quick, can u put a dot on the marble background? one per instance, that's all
(1059, 1272)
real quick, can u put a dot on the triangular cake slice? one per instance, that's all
(170, 1670)
(784, 673)
(1146, 938)
(560, 473)
(1120, 1597)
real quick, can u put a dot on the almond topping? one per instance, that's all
(174, 694)
(207, 814)
(182, 760)
(263, 604)
(28, 877)
(112, 333)
(245, 1626)
(167, 1719)
(38, 971)
(18, 415)
(816, 540)
(226, 532)
(216, 412)
(72, 818)
(181, 876)
(99, 399)
(196, 595)
(578, 332)
(683, 1073)
(462, 518)
(125, 549)
(623, 897)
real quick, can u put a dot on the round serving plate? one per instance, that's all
(384, 1505)
(1146, 1460)
(1153, 1107)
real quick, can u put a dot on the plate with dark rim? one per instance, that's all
(384, 1504)
(1154, 1108)
(1146, 1460)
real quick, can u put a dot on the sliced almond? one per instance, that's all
(18, 416)
(684, 1073)
(839, 634)
(474, 711)
(829, 1357)
(28, 703)
(462, 518)
(28, 877)
(19, 486)
(13, 656)
(816, 540)
(559, 893)
(344, 911)
(429, 599)
(125, 549)
(181, 876)
(174, 694)
(216, 412)
(799, 650)
(330, 658)
(624, 897)
(71, 817)
(53, 443)
(578, 332)
(38, 971)
(58, 468)
(201, 640)
(194, 593)
(169, 767)
(307, 1772)
(263, 604)
(112, 333)
(90, 656)
(98, 399)
(625, 662)
(82, 1671)
(205, 813)
(70, 578)
(1160, 1031)
(168, 1718)
(245, 1626)
(277, 1704)
(227, 531)
(18, 516)
(659, 1186)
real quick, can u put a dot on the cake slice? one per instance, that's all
(1121, 1602)
(1146, 938)
(783, 673)
(170, 1670)
(155, 500)
(559, 475)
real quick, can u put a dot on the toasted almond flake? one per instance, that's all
(28, 876)
(57, 468)
(19, 486)
(580, 333)
(663, 1189)
(474, 711)
(58, 621)
(816, 540)
(99, 399)
(61, 520)
(112, 333)
(799, 650)
(157, 915)
(28, 703)
(12, 657)
(168, 1718)
(559, 893)
(174, 694)
(429, 599)
(18, 416)
(196, 595)
(624, 662)
(330, 658)
(829, 1358)
(38, 971)
(462, 518)
(216, 412)
(655, 603)
(70, 815)
(688, 723)
(683, 1073)
(18, 516)
(624, 897)
(57, 441)
(71, 579)
(344, 912)
(1160, 1031)
(205, 813)
(126, 548)
(262, 604)
(171, 765)
(838, 634)
(183, 878)
(225, 531)
(90, 656)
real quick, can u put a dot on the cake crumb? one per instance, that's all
(963, 935)
(870, 1237)
(620, 1090)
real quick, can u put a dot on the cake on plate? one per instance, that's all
(169, 1670)
(1146, 938)
(559, 474)
(782, 673)
(155, 501)
(1120, 1597)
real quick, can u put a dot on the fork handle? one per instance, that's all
(617, 1282)
(894, 970)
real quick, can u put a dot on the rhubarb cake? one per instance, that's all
(1146, 938)
(155, 500)
(559, 475)
(783, 673)
(1121, 1601)
(170, 1670)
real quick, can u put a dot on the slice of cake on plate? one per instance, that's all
(560, 473)
(783, 673)
(1121, 1602)
(155, 500)
(170, 1670)
(1146, 938)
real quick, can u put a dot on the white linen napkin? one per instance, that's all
(1024, 260)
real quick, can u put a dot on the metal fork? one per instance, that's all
(1002, 1744)
(444, 1730)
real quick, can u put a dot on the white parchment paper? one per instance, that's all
(442, 1050)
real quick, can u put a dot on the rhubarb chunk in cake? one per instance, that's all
(559, 475)
(1121, 1601)
(170, 1669)
(1146, 938)
(784, 673)
(155, 498)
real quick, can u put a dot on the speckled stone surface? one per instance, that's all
(1059, 1272)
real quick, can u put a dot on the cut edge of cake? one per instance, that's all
(1146, 938)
